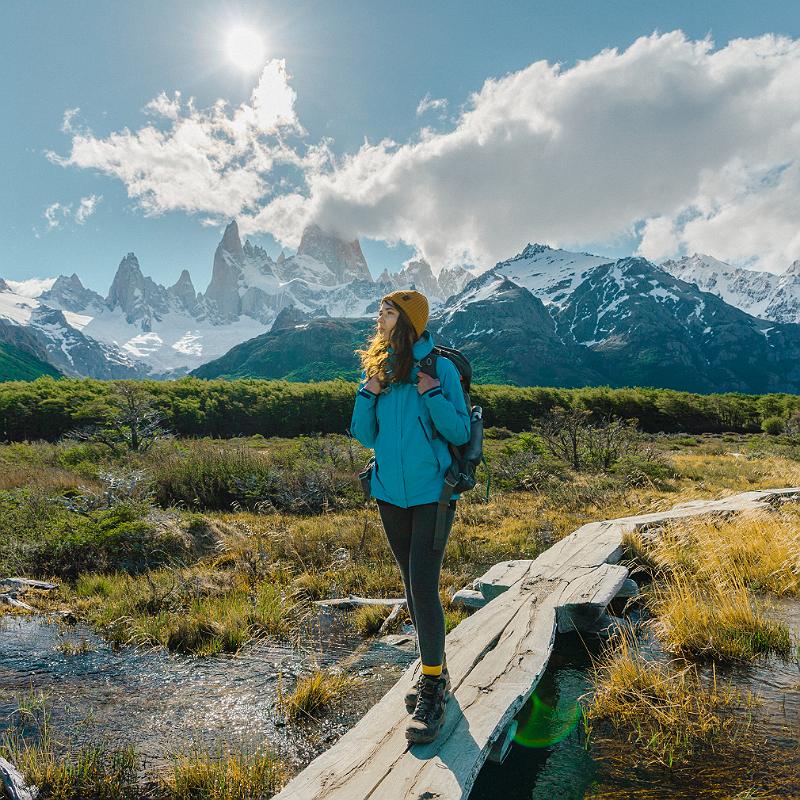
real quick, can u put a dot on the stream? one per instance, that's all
(163, 704)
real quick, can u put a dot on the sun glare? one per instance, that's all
(245, 48)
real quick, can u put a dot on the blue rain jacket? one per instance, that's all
(410, 461)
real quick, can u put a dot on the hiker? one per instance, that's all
(407, 417)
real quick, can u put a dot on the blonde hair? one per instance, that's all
(378, 362)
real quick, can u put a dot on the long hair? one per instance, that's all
(377, 361)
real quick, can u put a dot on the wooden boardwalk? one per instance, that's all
(495, 657)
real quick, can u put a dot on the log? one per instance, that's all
(14, 783)
(29, 583)
(10, 600)
(398, 607)
(351, 601)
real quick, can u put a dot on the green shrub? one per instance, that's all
(773, 426)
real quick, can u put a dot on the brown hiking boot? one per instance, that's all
(429, 714)
(411, 694)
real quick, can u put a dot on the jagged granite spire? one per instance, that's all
(344, 259)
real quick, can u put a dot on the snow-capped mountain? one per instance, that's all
(55, 336)
(626, 320)
(761, 294)
(167, 331)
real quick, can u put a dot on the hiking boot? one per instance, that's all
(429, 713)
(411, 694)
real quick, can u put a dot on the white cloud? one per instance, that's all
(66, 121)
(32, 287)
(692, 146)
(214, 161)
(427, 103)
(55, 214)
(668, 130)
(87, 207)
(58, 213)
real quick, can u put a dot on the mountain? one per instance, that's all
(164, 332)
(552, 317)
(761, 294)
(19, 365)
(298, 347)
(54, 336)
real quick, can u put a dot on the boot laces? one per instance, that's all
(429, 695)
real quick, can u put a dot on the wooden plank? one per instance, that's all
(585, 599)
(501, 576)
(495, 658)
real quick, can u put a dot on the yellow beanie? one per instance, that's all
(415, 305)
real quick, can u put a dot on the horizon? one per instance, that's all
(443, 112)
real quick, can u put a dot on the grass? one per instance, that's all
(661, 707)
(99, 771)
(315, 693)
(723, 622)
(96, 772)
(707, 573)
(367, 620)
(229, 776)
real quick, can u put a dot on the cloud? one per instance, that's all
(58, 213)
(212, 161)
(87, 207)
(427, 103)
(667, 135)
(66, 121)
(688, 146)
(55, 214)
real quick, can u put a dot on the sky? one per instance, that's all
(454, 131)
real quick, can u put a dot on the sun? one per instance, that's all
(245, 48)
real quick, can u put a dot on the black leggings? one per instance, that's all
(410, 534)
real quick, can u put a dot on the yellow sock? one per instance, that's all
(426, 670)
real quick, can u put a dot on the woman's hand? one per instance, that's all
(373, 385)
(425, 382)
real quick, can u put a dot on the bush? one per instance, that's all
(773, 426)
(48, 539)
(219, 476)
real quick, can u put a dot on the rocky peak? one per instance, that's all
(532, 250)
(288, 317)
(4, 287)
(231, 241)
(223, 290)
(141, 298)
(281, 257)
(68, 293)
(344, 259)
(183, 290)
(793, 268)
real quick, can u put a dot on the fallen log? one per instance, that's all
(351, 601)
(15, 786)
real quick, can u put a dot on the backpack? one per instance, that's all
(460, 477)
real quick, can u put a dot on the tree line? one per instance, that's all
(49, 408)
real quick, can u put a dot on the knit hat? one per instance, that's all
(414, 303)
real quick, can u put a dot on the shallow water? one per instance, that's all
(567, 767)
(165, 703)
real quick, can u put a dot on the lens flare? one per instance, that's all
(541, 725)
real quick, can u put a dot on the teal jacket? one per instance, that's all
(410, 461)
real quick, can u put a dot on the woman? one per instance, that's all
(407, 417)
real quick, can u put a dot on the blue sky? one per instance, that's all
(359, 71)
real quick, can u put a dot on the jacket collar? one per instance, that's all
(421, 347)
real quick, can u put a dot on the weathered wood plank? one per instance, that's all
(585, 599)
(495, 658)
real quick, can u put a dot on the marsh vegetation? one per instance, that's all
(205, 546)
